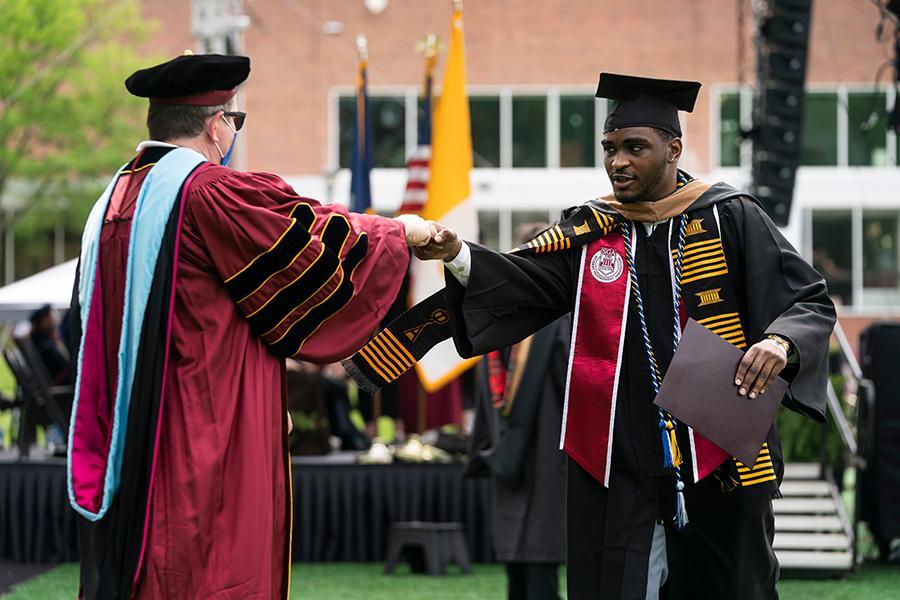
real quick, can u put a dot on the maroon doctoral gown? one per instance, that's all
(259, 273)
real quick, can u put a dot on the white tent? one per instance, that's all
(53, 287)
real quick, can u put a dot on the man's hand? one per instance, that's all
(444, 245)
(290, 423)
(418, 231)
(761, 364)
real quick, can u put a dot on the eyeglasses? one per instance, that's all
(238, 116)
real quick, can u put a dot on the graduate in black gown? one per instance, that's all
(654, 510)
(515, 442)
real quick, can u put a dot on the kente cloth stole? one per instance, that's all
(709, 297)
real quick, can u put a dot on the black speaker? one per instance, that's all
(787, 64)
(880, 502)
(782, 46)
(894, 116)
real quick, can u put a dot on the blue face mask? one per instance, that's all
(226, 157)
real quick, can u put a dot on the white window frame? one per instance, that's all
(857, 213)
(505, 94)
(841, 90)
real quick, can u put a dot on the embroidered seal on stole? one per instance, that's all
(607, 265)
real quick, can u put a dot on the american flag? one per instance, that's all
(419, 164)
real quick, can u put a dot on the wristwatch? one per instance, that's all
(785, 344)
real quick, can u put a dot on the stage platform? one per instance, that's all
(342, 510)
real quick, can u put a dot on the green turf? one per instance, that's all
(7, 387)
(345, 581)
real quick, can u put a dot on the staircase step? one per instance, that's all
(815, 561)
(808, 523)
(802, 471)
(811, 541)
(792, 488)
(814, 506)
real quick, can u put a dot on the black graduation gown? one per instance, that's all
(521, 454)
(508, 297)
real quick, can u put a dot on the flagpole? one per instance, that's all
(361, 160)
(431, 46)
(362, 47)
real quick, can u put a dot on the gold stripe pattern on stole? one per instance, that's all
(761, 472)
(550, 240)
(728, 326)
(387, 356)
(702, 260)
(605, 222)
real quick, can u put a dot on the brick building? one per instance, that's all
(532, 69)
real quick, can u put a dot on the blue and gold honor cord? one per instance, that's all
(667, 423)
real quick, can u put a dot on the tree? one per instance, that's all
(66, 121)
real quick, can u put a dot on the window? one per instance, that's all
(345, 108)
(508, 129)
(576, 131)
(866, 136)
(880, 258)
(820, 138)
(529, 131)
(388, 130)
(489, 228)
(484, 114)
(730, 129)
(832, 252)
(839, 129)
(521, 219)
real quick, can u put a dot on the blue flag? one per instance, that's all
(362, 151)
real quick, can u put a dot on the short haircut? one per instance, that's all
(665, 136)
(176, 121)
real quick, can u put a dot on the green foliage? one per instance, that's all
(66, 120)
(802, 438)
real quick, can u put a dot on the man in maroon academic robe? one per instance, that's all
(183, 483)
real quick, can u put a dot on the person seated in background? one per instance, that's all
(45, 337)
(311, 430)
(319, 406)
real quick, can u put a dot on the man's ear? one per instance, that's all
(212, 127)
(674, 150)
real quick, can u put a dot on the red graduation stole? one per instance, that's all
(598, 339)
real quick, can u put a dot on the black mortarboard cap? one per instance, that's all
(38, 315)
(198, 80)
(646, 102)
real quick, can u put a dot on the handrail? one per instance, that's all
(855, 440)
(847, 351)
(840, 420)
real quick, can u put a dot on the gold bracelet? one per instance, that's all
(785, 345)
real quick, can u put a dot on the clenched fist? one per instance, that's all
(418, 231)
(444, 245)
